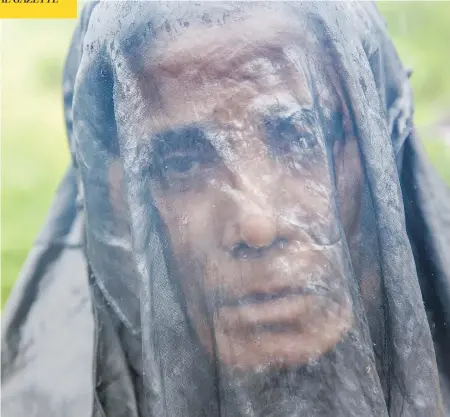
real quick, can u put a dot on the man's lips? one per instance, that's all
(264, 297)
(288, 310)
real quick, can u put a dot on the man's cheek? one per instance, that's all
(188, 229)
(198, 231)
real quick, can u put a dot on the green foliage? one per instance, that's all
(439, 154)
(421, 33)
(34, 150)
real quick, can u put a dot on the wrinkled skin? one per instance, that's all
(242, 181)
(244, 197)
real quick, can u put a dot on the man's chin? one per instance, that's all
(289, 332)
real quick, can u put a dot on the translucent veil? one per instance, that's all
(360, 299)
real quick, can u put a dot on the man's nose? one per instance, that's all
(257, 229)
(252, 223)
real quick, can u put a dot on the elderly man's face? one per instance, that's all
(242, 181)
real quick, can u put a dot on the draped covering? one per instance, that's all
(260, 232)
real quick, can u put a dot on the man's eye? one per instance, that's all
(285, 137)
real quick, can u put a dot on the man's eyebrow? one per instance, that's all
(287, 109)
(305, 115)
(180, 138)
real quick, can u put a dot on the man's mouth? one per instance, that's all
(260, 297)
(286, 310)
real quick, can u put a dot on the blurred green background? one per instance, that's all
(34, 152)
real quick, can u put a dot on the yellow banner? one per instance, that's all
(38, 9)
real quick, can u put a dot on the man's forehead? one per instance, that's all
(234, 69)
(214, 51)
(222, 67)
